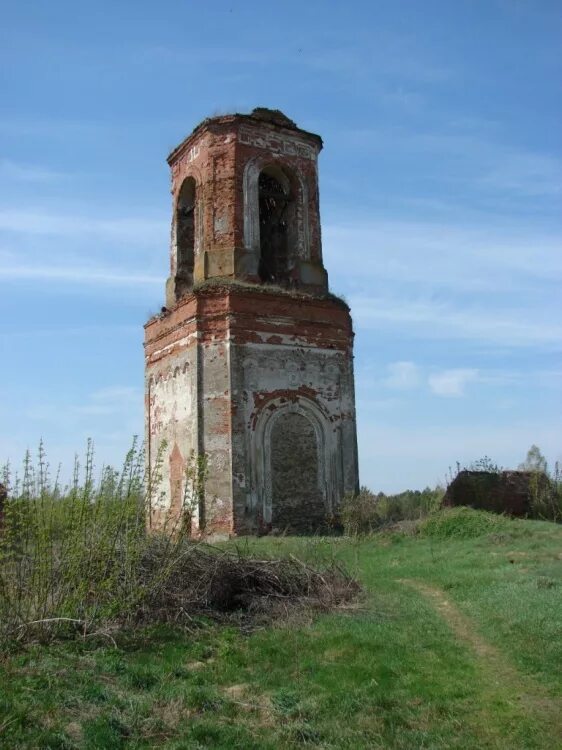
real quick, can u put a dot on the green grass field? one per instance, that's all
(456, 643)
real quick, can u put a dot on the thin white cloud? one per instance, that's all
(131, 229)
(493, 284)
(37, 332)
(93, 410)
(527, 174)
(383, 404)
(402, 375)
(117, 393)
(10, 170)
(436, 320)
(470, 256)
(452, 383)
(111, 400)
(108, 401)
(218, 55)
(393, 56)
(473, 154)
(82, 275)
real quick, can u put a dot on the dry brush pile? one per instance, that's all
(215, 582)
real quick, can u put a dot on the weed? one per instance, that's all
(105, 732)
(285, 701)
(142, 678)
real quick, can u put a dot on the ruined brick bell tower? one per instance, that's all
(250, 362)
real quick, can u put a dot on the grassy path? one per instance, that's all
(529, 695)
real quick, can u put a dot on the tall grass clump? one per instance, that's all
(70, 556)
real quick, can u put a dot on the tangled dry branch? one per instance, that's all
(211, 581)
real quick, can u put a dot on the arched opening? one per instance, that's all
(275, 203)
(185, 231)
(297, 502)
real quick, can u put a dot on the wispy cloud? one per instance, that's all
(469, 255)
(116, 394)
(527, 174)
(432, 377)
(109, 401)
(471, 154)
(392, 55)
(132, 228)
(11, 170)
(70, 333)
(217, 55)
(485, 283)
(402, 375)
(452, 382)
(83, 275)
(54, 128)
(436, 320)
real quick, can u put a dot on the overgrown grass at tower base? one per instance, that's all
(79, 559)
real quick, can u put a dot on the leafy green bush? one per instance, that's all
(366, 512)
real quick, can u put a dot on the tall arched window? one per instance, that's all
(185, 231)
(275, 215)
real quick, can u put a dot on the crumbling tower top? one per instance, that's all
(245, 205)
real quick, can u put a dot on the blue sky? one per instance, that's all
(441, 188)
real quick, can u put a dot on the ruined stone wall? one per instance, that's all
(188, 407)
(291, 366)
(216, 437)
(236, 380)
(171, 419)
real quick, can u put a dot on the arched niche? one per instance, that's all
(276, 205)
(275, 198)
(295, 442)
(186, 233)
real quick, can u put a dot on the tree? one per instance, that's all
(535, 460)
